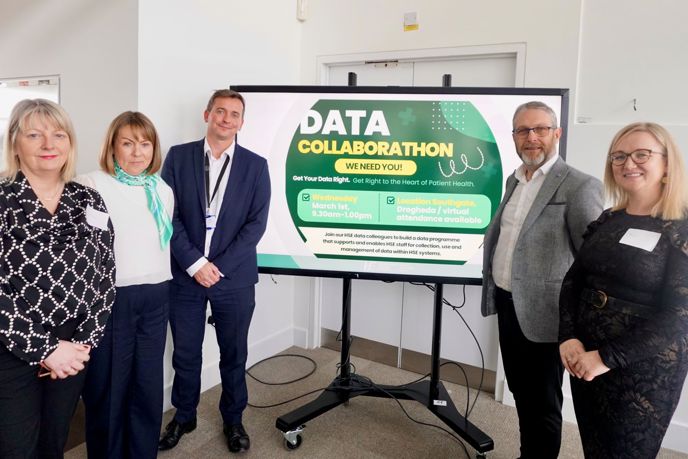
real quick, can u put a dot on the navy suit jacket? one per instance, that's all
(241, 220)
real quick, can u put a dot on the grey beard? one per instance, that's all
(537, 161)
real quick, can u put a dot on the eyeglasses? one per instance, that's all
(539, 131)
(640, 156)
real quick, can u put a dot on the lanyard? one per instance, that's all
(208, 197)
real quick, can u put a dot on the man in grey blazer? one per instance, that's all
(528, 249)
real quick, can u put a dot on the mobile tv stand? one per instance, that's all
(344, 387)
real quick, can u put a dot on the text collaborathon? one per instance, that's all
(376, 148)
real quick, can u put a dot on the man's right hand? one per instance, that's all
(67, 360)
(208, 275)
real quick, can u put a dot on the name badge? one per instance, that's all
(642, 239)
(210, 221)
(96, 218)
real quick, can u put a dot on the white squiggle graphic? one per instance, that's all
(466, 166)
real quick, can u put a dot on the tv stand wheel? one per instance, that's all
(292, 438)
(290, 446)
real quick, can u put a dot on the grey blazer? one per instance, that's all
(551, 235)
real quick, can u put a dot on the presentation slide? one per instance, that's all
(383, 183)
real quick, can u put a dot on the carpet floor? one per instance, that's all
(366, 427)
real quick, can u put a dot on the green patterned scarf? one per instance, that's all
(155, 205)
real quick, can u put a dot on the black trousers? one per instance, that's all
(534, 373)
(34, 412)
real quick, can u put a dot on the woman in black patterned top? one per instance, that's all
(623, 328)
(56, 280)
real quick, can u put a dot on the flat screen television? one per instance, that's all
(385, 183)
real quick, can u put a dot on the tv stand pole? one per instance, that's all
(345, 386)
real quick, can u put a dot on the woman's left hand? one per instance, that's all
(85, 347)
(588, 365)
(568, 350)
(67, 359)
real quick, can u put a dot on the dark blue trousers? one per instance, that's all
(123, 394)
(232, 311)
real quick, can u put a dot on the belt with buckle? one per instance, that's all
(600, 300)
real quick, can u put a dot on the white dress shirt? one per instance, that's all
(513, 216)
(215, 205)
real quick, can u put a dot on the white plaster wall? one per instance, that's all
(550, 28)
(187, 50)
(91, 45)
(616, 68)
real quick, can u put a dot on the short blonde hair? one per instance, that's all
(141, 125)
(22, 117)
(673, 202)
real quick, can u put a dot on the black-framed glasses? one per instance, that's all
(639, 156)
(539, 131)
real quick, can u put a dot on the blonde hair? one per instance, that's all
(22, 117)
(141, 125)
(673, 202)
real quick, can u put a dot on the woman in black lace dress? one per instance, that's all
(623, 329)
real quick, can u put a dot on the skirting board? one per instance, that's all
(416, 362)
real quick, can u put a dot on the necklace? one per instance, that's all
(55, 194)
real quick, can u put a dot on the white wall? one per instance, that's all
(187, 50)
(164, 58)
(91, 45)
(358, 26)
(616, 68)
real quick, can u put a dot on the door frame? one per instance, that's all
(517, 50)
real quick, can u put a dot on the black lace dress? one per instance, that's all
(641, 333)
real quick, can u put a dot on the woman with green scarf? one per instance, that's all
(123, 394)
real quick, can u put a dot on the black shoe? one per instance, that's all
(173, 432)
(237, 438)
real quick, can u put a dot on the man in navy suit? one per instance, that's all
(222, 194)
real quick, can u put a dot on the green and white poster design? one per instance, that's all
(388, 180)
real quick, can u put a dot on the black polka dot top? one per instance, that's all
(57, 270)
